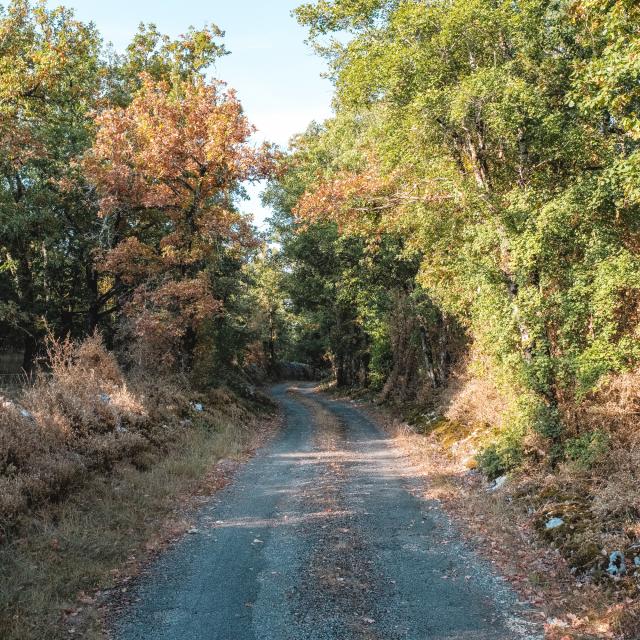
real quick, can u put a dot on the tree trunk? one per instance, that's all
(189, 347)
(426, 354)
(93, 312)
(24, 280)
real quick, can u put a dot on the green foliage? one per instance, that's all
(587, 449)
(500, 142)
(504, 454)
(382, 355)
(47, 225)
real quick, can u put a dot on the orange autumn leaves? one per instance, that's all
(167, 169)
(175, 148)
(367, 203)
(344, 199)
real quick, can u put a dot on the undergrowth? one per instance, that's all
(577, 489)
(91, 465)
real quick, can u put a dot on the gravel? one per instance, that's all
(323, 536)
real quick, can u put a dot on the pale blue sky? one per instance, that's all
(276, 74)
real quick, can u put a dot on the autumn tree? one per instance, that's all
(150, 52)
(167, 169)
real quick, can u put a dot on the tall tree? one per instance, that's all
(49, 80)
(167, 169)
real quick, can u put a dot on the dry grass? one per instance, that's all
(561, 570)
(471, 397)
(77, 420)
(614, 409)
(92, 468)
(68, 550)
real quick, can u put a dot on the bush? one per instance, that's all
(80, 417)
(544, 419)
(587, 449)
(504, 454)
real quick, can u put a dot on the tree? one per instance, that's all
(499, 141)
(167, 169)
(49, 80)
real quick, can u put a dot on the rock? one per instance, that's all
(197, 406)
(617, 566)
(554, 523)
(636, 561)
(498, 483)
(14, 406)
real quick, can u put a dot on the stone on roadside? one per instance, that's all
(10, 405)
(554, 523)
(498, 483)
(617, 565)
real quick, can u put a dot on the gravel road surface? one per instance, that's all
(323, 535)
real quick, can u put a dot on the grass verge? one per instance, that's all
(70, 558)
(501, 526)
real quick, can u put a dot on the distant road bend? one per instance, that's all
(323, 535)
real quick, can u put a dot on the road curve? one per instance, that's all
(322, 536)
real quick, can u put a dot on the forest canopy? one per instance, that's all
(473, 205)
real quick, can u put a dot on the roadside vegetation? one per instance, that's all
(462, 240)
(129, 305)
(96, 472)
(459, 242)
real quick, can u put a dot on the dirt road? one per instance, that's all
(323, 536)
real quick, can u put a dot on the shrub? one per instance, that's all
(80, 417)
(545, 420)
(587, 449)
(504, 454)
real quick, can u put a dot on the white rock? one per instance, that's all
(617, 566)
(14, 406)
(554, 523)
(197, 406)
(498, 483)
